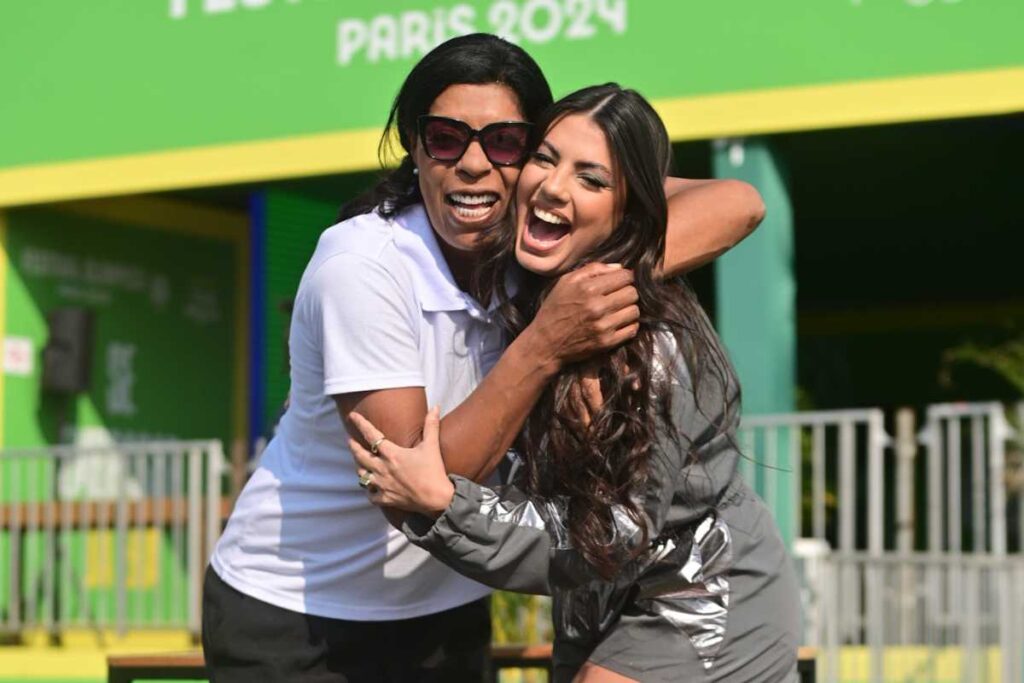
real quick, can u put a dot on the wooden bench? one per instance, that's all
(190, 665)
(79, 515)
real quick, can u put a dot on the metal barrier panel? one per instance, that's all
(967, 478)
(842, 502)
(968, 501)
(965, 640)
(110, 537)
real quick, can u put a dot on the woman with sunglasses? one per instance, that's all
(627, 508)
(309, 582)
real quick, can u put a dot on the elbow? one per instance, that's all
(748, 196)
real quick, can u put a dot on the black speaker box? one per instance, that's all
(67, 355)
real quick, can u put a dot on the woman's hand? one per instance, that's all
(589, 310)
(411, 479)
(586, 397)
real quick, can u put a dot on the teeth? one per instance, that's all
(548, 217)
(474, 199)
(467, 212)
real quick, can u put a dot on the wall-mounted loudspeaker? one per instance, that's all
(67, 355)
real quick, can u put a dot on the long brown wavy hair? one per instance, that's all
(602, 464)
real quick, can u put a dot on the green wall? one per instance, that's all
(293, 226)
(164, 340)
(110, 77)
(162, 366)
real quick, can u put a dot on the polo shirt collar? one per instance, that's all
(435, 284)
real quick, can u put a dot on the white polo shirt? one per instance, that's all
(377, 308)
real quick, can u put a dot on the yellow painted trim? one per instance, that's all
(915, 98)
(197, 167)
(895, 100)
(87, 661)
(84, 656)
(3, 316)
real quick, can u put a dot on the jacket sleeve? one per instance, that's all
(507, 540)
(504, 539)
(498, 536)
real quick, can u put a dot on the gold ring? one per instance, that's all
(366, 479)
(376, 445)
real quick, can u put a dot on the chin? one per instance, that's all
(539, 265)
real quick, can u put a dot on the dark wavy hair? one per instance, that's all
(476, 59)
(602, 465)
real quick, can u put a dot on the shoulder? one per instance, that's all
(367, 236)
(360, 248)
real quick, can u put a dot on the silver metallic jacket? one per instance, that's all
(504, 539)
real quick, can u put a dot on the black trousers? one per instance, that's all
(245, 639)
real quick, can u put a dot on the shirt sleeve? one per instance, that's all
(368, 325)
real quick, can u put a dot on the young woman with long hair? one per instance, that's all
(627, 507)
(309, 581)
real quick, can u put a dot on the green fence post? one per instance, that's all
(756, 294)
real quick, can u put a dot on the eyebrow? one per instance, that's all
(582, 164)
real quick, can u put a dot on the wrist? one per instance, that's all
(440, 500)
(536, 353)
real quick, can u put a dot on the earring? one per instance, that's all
(415, 171)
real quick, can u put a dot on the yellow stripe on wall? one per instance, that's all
(917, 98)
(197, 167)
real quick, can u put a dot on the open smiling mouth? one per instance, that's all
(471, 205)
(544, 230)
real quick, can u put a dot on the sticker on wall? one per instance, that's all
(121, 378)
(19, 356)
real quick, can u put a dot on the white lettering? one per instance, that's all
(351, 39)
(218, 6)
(462, 20)
(440, 26)
(539, 33)
(178, 9)
(415, 29)
(383, 38)
(502, 17)
(580, 26)
(255, 4)
(47, 263)
(404, 35)
(613, 13)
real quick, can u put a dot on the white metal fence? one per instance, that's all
(820, 453)
(109, 537)
(909, 553)
(972, 634)
(909, 546)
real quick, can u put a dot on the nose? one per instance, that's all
(554, 188)
(474, 163)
